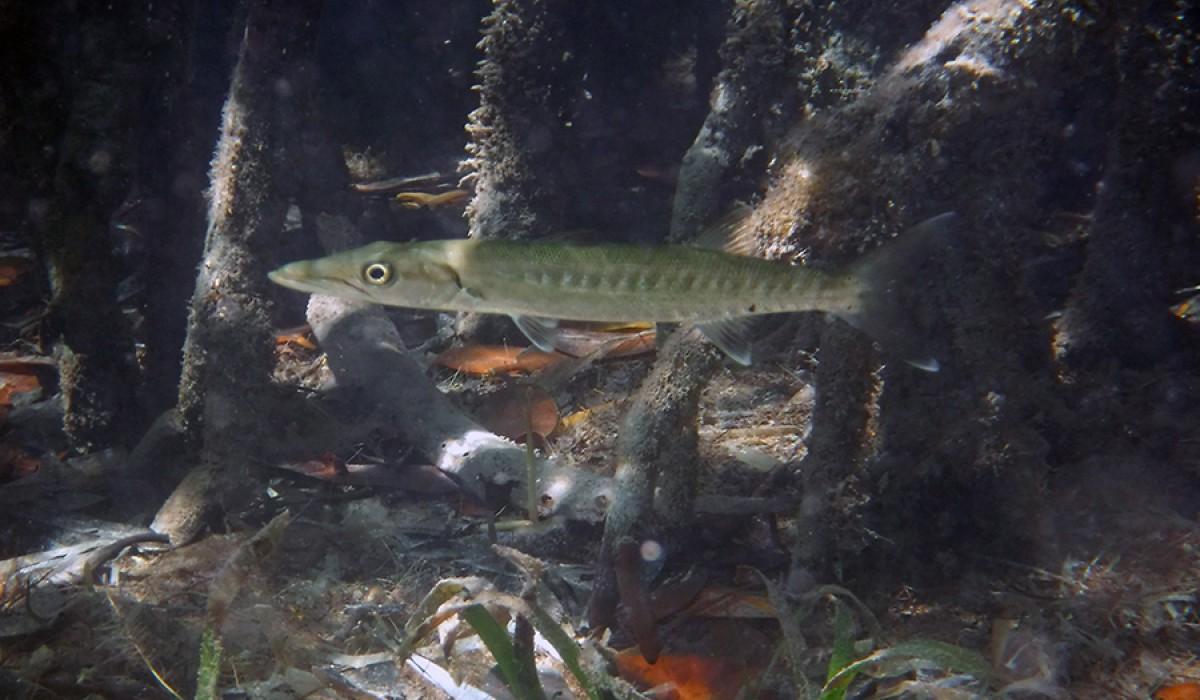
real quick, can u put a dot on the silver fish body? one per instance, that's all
(550, 280)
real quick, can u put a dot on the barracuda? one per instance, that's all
(539, 283)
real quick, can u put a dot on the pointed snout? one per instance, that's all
(293, 275)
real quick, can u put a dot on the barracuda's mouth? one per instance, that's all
(299, 276)
(281, 277)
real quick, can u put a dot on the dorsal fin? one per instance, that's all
(731, 233)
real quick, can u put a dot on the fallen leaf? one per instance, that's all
(326, 467)
(300, 336)
(496, 359)
(417, 478)
(17, 380)
(1179, 691)
(393, 184)
(582, 342)
(517, 411)
(1188, 310)
(16, 463)
(24, 363)
(425, 200)
(635, 600)
(694, 677)
(570, 422)
(470, 508)
(12, 269)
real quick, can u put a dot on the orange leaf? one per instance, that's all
(582, 342)
(25, 364)
(418, 478)
(425, 200)
(296, 336)
(694, 677)
(16, 381)
(326, 467)
(16, 462)
(1188, 310)
(12, 269)
(635, 344)
(470, 508)
(585, 414)
(1179, 691)
(517, 411)
(496, 359)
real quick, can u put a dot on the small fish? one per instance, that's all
(539, 283)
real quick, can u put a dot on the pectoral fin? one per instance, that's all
(540, 331)
(732, 335)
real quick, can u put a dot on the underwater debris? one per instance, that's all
(1178, 691)
(684, 676)
(13, 268)
(637, 611)
(605, 344)
(425, 200)
(300, 336)
(495, 359)
(520, 412)
(393, 184)
(1188, 309)
(16, 380)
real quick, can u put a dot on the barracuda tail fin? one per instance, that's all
(895, 282)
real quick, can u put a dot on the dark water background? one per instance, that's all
(1049, 474)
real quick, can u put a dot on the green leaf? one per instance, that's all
(842, 656)
(429, 613)
(210, 664)
(790, 619)
(516, 673)
(566, 648)
(905, 656)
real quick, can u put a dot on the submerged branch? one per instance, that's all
(752, 58)
(229, 352)
(657, 460)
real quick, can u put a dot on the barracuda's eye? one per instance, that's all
(377, 273)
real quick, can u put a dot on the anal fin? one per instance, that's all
(733, 335)
(540, 331)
